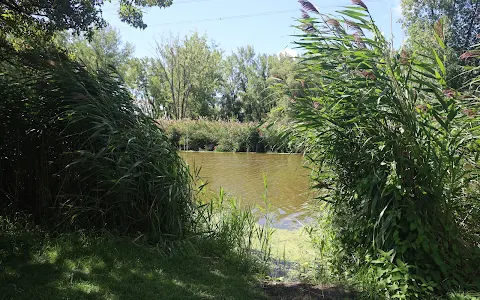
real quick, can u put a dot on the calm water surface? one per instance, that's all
(241, 175)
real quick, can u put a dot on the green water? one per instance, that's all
(241, 175)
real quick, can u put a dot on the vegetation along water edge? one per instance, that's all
(96, 201)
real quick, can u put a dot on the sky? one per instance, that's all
(267, 25)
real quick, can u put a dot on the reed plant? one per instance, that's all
(231, 136)
(396, 150)
(233, 229)
(77, 153)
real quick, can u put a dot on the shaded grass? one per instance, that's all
(78, 266)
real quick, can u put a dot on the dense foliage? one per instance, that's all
(461, 16)
(190, 77)
(460, 29)
(104, 51)
(230, 136)
(188, 74)
(19, 17)
(77, 152)
(397, 150)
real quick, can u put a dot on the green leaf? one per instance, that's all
(439, 63)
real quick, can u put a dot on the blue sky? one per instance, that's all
(264, 24)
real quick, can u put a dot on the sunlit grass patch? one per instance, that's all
(77, 266)
(293, 256)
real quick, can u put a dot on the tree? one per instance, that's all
(76, 15)
(285, 84)
(190, 67)
(229, 101)
(148, 89)
(246, 95)
(463, 24)
(455, 21)
(105, 49)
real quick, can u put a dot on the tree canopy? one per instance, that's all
(462, 21)
(75, 15)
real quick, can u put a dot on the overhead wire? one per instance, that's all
(225, 18)
(216, 19)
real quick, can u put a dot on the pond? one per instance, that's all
(241, 175)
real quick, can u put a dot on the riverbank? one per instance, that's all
(37, 265)
(229, 136)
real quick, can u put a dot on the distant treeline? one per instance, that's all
(230, 136)
(191, 77)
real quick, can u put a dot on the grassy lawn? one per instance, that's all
(79, 267)
(76, 266)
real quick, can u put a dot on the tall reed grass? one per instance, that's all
(233, 228)
(77, 153)
(397, 151)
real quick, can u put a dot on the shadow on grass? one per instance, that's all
(76, 267)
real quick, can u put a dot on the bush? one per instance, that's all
(397, 151)
(77, 153)
(229, 136)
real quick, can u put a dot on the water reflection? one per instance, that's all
(241, 175)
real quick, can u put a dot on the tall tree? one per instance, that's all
(104, 50)
(75, 15)
(148, 88)
(285, 84)
(457, 22)
(462, 26)
(246, 91)
(190, 67)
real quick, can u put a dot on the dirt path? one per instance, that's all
(304, 291)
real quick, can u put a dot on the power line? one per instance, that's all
(230, 17)
(225, 18)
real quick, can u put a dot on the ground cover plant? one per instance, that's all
(37, 264)
(397, 151)
(95, 200)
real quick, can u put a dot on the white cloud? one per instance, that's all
(288, 52)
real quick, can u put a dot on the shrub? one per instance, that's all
(230, 136)
(77, 153)
(397, 151)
